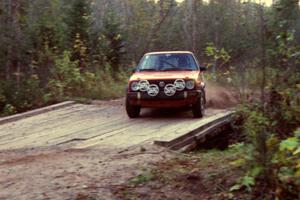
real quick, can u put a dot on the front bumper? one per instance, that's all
(180, 99)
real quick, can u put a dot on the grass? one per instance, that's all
(142, 178)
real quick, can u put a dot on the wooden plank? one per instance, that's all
(145, 130)
(43, 121)
(202, 136)
(46, 118)
(19, 132)
(193, 130)
(35, 112)
(41, 136)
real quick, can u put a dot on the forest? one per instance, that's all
(51, 51)
(54, 50)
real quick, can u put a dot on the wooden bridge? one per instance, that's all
(71, 125)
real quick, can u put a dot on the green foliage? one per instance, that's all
(66, 77)
(80, 51)
(289, 144)
(144, 177)
(112, 39)
(274, 160)
(2, 99)
(78, 21)
(246, 181)
(274, 157)
(99, 33)
(217, 54)
(286, 166)
(18, 97)
(69, 81)
(9, 109)
(272, 122)
(104, 83)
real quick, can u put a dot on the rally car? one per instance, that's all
(166, 80)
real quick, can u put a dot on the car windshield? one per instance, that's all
(168, 62)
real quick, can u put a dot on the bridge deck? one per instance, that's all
(98, 126)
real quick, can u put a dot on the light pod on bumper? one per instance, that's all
(144, 85)
(170, 90)
(190, 84)
(179, 84)
(153, 90)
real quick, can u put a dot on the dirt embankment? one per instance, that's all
(71, 174)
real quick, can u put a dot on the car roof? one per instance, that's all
(169, 52)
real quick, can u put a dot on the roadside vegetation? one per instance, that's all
(204, 174)
(65, 49)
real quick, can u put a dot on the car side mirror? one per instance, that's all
(133, 70)
(203, 68)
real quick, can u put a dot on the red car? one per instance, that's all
(164, 80)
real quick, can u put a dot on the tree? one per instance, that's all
(11, 38)
(165, 9)
(112, 35)
(45, 31)
(78, 22)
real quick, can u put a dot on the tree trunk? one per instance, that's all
(263, 54)
(163, 16)
(17, 30)
(194, 25)
(9, 48)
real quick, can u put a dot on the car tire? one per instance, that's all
(132, 111)
(199, 107)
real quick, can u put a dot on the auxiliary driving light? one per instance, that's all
(144, 85)
(190, 84)
(179, 84)
(153, 90)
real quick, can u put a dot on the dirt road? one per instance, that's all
(83, 151)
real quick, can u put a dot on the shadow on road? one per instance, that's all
(166, 113)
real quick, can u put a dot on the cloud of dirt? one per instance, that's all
(220, 97)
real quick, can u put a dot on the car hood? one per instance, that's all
(164, 75)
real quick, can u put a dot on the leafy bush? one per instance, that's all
(104, 83)
(18, 97)
(68, 81)
(66, 78)
(2, 99)
(272, 125)
(273, 163)
(286, 167)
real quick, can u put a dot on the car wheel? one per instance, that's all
(132, 111)
(199, 107)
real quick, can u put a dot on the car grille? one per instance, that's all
(156, 82)
(162, 95)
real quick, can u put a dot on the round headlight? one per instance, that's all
(135, 86)
(190, 84)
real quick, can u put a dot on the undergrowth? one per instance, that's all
(67, 82)
(204, 174)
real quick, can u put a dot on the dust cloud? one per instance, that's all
(220, 97)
